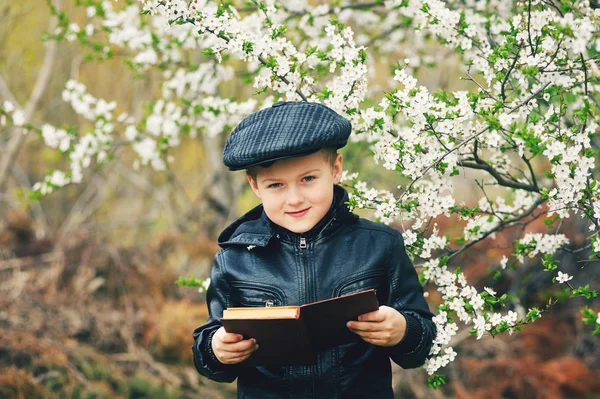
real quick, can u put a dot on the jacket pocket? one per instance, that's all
(250, 294)
(361, 281)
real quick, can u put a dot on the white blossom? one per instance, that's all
(563, 277)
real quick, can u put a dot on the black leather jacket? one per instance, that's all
(343, 253)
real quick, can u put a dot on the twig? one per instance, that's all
(31, 261)
(383, 34)
(445, 155)
(529, 27)
(529, 98)
(585, 73)
(471, 78)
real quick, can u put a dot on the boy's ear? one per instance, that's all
(338, 169)
(253, 185)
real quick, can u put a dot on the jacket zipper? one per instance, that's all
(303, 243)
(309, 298)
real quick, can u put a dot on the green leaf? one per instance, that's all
(248, 47)
(191, 282)
(436, 380)
(585, 292)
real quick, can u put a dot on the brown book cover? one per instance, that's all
(289, 335)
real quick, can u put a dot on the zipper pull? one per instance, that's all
(269, 304)
(303, 242)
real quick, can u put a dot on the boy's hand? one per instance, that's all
(232, 348)
(384, 327)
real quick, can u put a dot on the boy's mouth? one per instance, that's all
(299, 213)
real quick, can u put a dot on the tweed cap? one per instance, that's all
(286, 129)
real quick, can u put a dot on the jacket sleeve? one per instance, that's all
(406, 296)
(217, 299)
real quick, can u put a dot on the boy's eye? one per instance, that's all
(274, 185)
(308, 178)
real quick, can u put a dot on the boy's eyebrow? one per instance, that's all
(301, 174)
(310, 171)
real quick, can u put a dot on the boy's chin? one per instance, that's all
(298, 228)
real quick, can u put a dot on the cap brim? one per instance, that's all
(268, 162)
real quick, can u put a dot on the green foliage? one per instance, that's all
(465, 211)
(493, 302)
(278, 32)
(190, 282)
(590, 317)
(533, 314)
(549, 263)
(436, 380)
(585, 292)
(248, 47)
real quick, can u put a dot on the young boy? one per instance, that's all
(302, 245)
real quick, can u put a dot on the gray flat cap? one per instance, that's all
(285, 130)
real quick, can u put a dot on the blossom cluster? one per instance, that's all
(81, 150)
(533, 244)
(8, 110)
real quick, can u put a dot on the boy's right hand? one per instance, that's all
(231, 348)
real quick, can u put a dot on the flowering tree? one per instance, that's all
(524, 128)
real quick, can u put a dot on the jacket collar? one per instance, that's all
(254, 228)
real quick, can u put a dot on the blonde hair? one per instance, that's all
(328, 153)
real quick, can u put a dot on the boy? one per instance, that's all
(302, 245)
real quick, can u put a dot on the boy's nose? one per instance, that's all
(294, 197)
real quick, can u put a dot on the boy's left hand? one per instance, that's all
(384, 327)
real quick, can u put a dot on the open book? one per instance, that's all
(289, 335)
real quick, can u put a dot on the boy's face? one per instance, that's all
(297, 192)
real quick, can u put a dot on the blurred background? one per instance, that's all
(89, 307)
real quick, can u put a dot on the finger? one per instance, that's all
(231, 337)
(233, 355)
(238, 346)
(237, 356)
(366, 334)
(364, 325)
(376, 315)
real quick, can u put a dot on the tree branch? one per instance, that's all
(41, 83)
(503, 85)
(482, 165)
(500, 226)
(358, 6)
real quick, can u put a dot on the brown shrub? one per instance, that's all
(170, 335)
